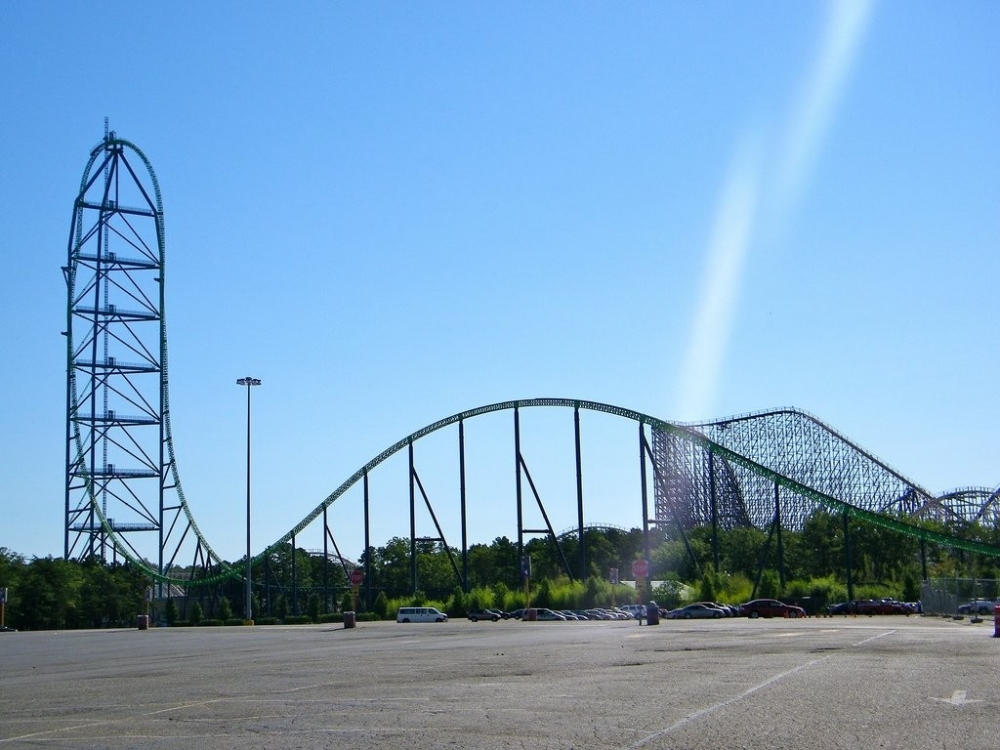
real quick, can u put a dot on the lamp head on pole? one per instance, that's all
(248, 381)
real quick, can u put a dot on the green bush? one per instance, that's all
(297, 620)
(458, 605)
(347, 602)
(313, 607)
(170, 612)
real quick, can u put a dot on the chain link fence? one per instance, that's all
(966, 596)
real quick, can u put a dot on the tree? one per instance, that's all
(381, 605)
(458, 606)
(196, 613)
(347, 602)
(312, 607)
(708, 590)
(50, 594)
(170, 612)
(225, 609)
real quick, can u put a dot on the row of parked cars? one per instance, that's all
(626, 612)
(697, 610)
(752, 609)
(874, 607)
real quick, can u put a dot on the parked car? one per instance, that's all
(542, 613)
(725, 608)
(770, 608)
(638, 611)
(483, 614)
(698, 610)
(977, 607)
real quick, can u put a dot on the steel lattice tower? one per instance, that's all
(117, 468)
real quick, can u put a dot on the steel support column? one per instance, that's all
(295, 580)
(579, 495)
(517, 484)
(847, 557)
(643, 449)
(713, 500)
(461, 489)
(326, 563)
(413, 527)
(781, 549)
(368, 548)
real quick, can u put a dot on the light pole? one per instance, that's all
(249, 383)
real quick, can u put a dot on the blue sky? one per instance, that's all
(391, 213)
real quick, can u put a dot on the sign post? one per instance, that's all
(357, 576)
(640, 570)
(526, 575)
(3, 607)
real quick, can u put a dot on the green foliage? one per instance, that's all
(669, 594)
(500, 593)
(707, 590)
(457, 605)
(49, 595)
(542, 595)
(53, 593)
(770, 585)
(595, 590)
(911, 588)
(381, 605)
(312, 607)
(170, 612)
(347, 602)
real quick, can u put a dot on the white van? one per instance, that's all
(420, 614)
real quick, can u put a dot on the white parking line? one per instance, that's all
(746, 693)
(711, 709)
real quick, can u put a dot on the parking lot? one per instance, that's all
(888, 682)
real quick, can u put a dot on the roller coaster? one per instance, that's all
(766, 470)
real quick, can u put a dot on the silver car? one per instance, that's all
(696, 611)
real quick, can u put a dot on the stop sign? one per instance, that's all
(640, 568)
(357, 576)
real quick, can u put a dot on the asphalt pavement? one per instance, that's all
(867, 682)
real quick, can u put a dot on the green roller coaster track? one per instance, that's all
(877, 519)
(224, 570)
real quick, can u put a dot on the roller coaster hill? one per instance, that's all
(124, 500)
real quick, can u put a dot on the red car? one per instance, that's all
(770, 608)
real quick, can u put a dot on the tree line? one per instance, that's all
(816, 561)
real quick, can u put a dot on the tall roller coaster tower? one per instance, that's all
(119, 463)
